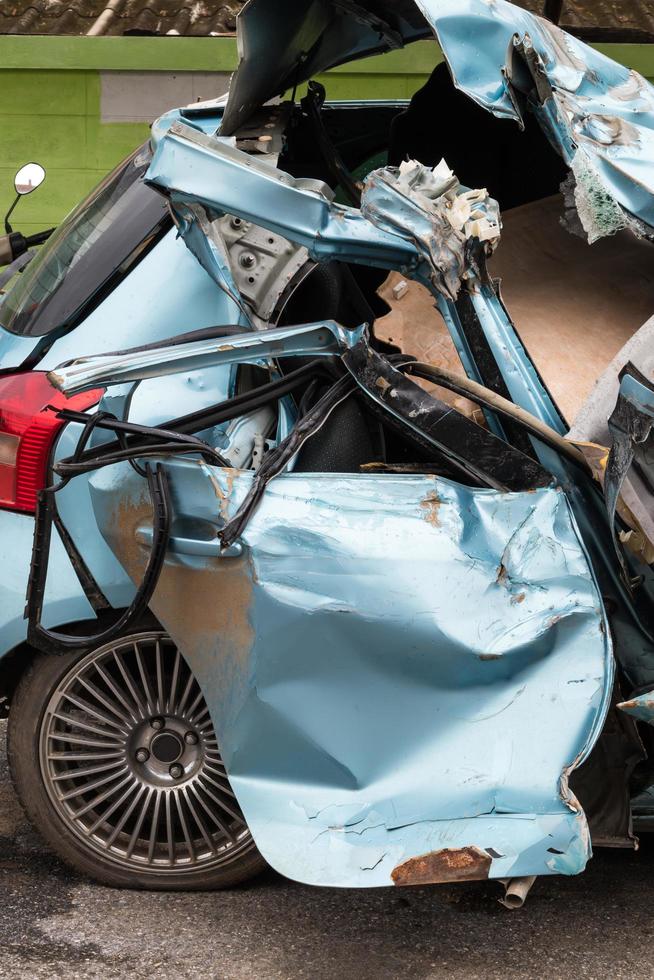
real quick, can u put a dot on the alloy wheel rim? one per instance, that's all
(131, 763)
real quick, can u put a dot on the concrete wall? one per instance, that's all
(142, 96)
(79, 105)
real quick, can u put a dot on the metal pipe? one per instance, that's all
(490, 399)
(553, 10)
(516, 892)
(106, 18)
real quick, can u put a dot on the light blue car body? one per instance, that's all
(166, 294)
(403, 690)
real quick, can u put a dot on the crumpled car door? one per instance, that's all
(402, 671)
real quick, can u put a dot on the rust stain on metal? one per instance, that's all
(223, 496)
(517, 599)
(383, 384)
(438, 867)
(127, 518)
(210, 604)
(647, 705)
(204, 601)
(431, 506)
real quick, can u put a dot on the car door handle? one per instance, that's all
(192, 546)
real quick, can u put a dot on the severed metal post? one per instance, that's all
(553, 10)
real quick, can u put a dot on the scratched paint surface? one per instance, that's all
(411, 667)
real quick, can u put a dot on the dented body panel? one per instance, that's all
(408, 662)
(366, 719)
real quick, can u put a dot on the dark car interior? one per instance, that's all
(575, 306)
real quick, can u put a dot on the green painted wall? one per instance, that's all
(50, 109)
(54, 117)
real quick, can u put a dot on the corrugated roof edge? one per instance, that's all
(594, 20)
(220, 54)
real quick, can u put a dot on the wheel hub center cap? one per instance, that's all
(167, 747)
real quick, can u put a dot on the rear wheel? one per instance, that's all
(115, 760)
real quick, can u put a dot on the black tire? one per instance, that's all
(196, 810)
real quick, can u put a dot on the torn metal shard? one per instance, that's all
(640, 707)
(449, 864)
(584, 99)
(446, 222)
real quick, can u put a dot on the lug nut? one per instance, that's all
(142, 755)
(248, 260)
(176, 771)
(191, 738)
(157, 723)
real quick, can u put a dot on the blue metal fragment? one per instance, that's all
(317, 339)
(640, 707)
(599, 114)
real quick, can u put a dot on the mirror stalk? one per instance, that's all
(8, 227)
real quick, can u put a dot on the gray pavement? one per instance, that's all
(55, 924)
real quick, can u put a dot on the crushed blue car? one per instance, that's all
(319, 572)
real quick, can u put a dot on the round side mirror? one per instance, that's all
(28, 178)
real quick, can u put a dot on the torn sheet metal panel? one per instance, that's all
(599, 114)
(412, 217)
(191, 167)
(204, 241)
(374, 732)
(443, 220)
(284, 44)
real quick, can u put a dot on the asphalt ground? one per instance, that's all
(56, 924)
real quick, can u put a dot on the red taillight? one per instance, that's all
(27, 432)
